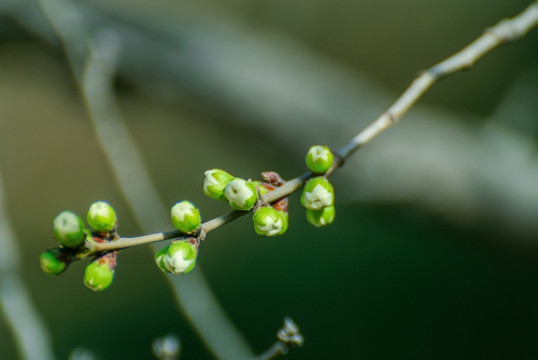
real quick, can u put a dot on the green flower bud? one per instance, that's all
(317, 194)
(159, 258)
(322, 217)
(319, 159)
(180, 257)
(214, 183)
(52, 263)
(185, 217)
(69, 229)
(101, 217)
(241, 194)
(99, 274)
(268, 221)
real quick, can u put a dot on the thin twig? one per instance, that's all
(505, 31)
(288, 336)
(278, 348)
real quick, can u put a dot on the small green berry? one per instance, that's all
(185, 217)
(214, 183)
(159, 258)
(98, 275)
(51, 262)
(180, 257)
(69, 229)
(319, 159)
(241, 194)
(317, 194)
(322, 217)
(101, 217)
(268, 221)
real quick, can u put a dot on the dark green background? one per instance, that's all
(386, 281)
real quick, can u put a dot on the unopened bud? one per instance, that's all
(101, 217)
(241, 194)
(319, 159)
(52, 263)
(100, 272)
(322, 217)
(69, 229)
(180, 257)
(159, 258)
(268, 221)
(185, 217)
(214, 183)
(317, 194)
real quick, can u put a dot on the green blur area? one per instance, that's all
(387, 280)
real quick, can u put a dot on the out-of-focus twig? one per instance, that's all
(288, 336)
(91, 57)
(30, 334)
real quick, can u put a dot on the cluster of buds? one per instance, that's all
(271, 220)
(318, 192)
(290, 333)
(268, 220)
(74, 238)
(241, 194)
(180, 256)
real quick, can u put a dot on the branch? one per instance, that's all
(213, 224)
(278, 348)
(505, 31)
(287, 337)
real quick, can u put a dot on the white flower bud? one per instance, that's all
(214, 183)
(69, 229)
(180, 257)
(241, 194)
(319, 159)
(321, 217)
(268, 221)
(185, 217)
(317, 194)
(101, 216)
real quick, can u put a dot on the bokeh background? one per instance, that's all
(434, 250)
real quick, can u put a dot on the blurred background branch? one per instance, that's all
(28, 330)
(287, 337)
(431, 214)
